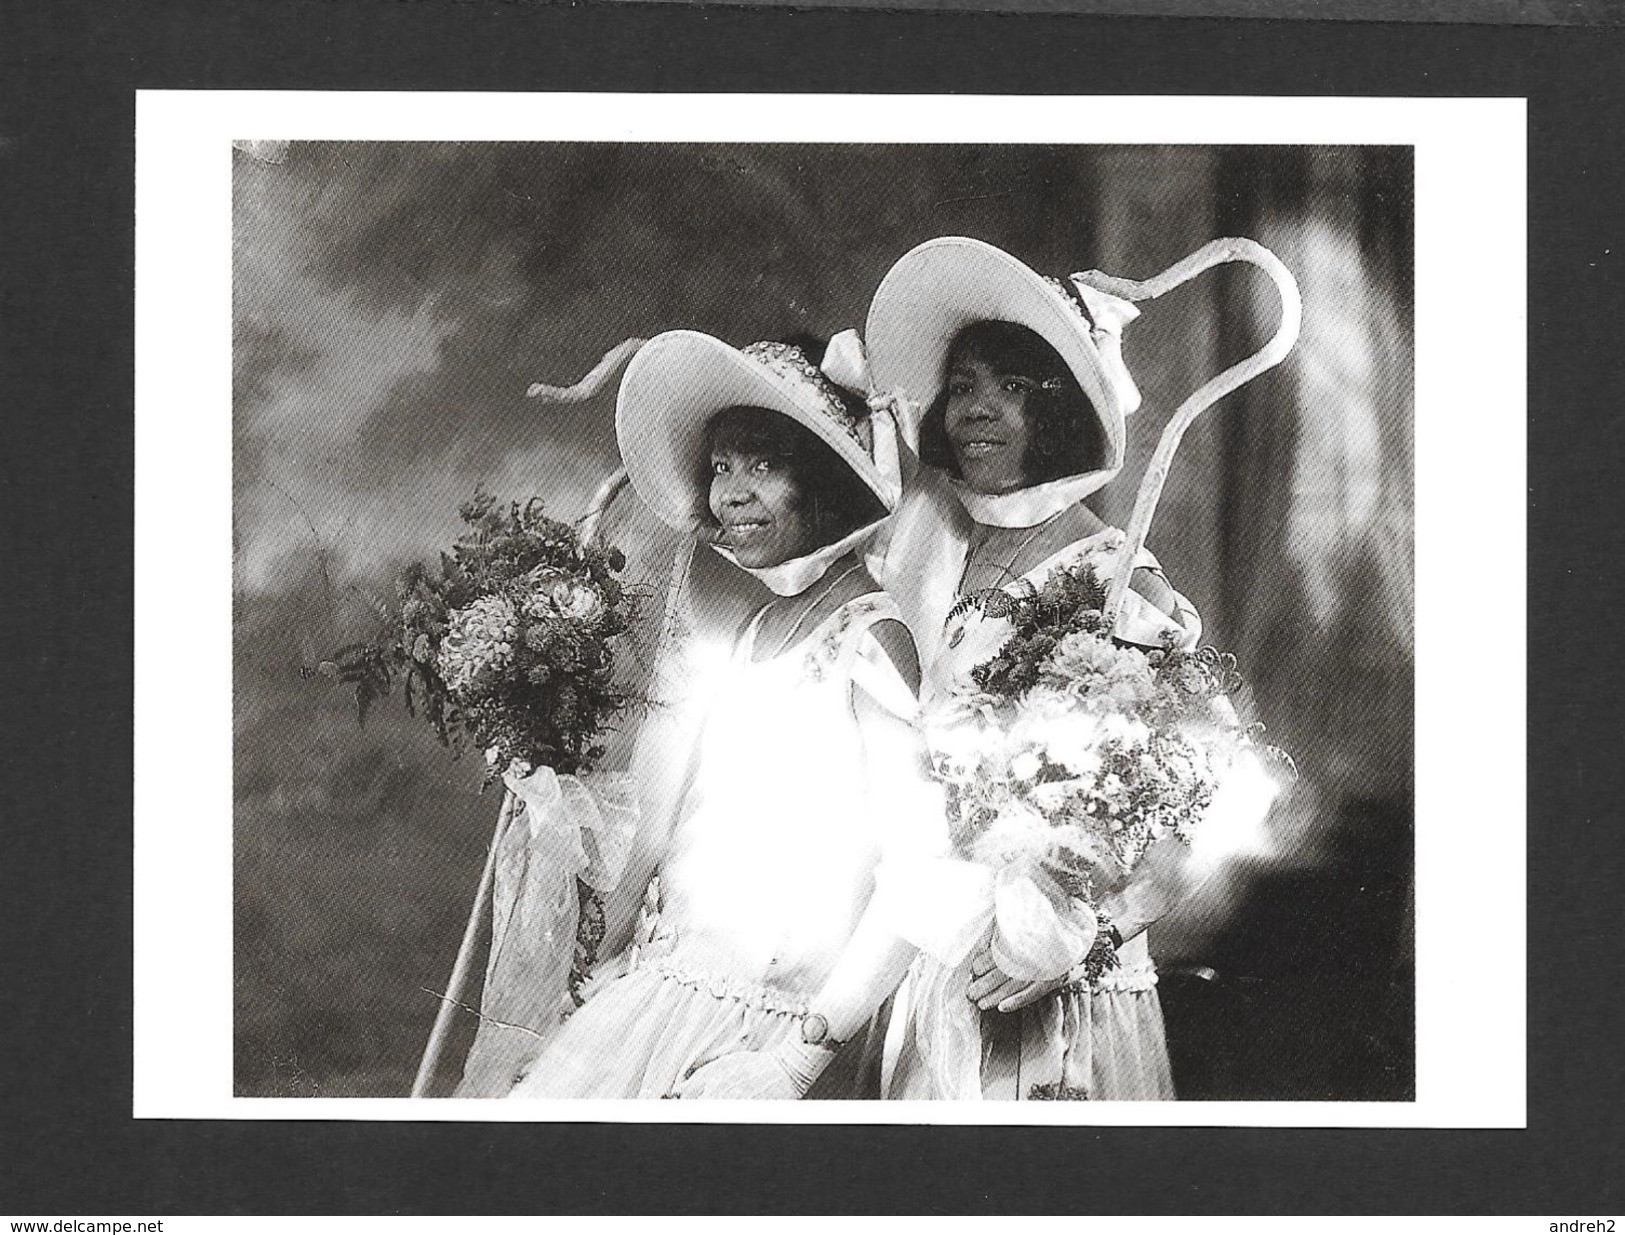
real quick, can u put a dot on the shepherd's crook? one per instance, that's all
(583, 390)
(600, 504)
(592, 383)
(1213, 253)
(459, 971)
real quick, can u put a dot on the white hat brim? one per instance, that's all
(672, 388)
(942, 286)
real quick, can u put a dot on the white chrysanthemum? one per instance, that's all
(1038, 711)
(1052, 796)
(1017, 831)
(556, 594)
(1026, 765)
(578, 601)
(1095, 668)
(1082, 655)
(1124, 729)
(479, 642)
(1059, 724)
(1044, 702)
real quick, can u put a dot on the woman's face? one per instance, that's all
(988, 425)
(758, 502)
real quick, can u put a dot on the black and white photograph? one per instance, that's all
(853, 791)
(938, 609)
(909, 627)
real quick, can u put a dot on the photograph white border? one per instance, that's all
(1470, 453)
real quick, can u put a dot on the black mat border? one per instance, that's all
(1482, 12)
(67, 76)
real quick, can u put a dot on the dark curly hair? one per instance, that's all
(1067, 435)
(838, 500)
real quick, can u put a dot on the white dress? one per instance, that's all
(1102, 1041)
(809, 775)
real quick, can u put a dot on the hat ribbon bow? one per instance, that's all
(846, 363)
(1107, 315)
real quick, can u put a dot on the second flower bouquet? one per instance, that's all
(1068, 754)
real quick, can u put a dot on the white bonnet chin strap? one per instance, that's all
(1033, 505)
(798, 574)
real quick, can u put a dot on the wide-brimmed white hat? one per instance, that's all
(680, 379)
(944, 285)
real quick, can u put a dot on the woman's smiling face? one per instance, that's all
(758, 502)
(988, 425)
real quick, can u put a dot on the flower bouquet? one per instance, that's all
(511, 645)
(1068, 754)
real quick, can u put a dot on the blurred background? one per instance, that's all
(392, 304)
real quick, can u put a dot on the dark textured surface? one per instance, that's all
(66, 104)
(1493, 12)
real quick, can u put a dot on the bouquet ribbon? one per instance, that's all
(947, 907)
(566, 831)
(575, 830)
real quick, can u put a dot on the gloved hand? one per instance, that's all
(991, 987)
(786, 1071)
(1039, 932)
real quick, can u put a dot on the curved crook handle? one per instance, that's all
(583, 390)
(1214, 253)
(607, 492)
(592, 383)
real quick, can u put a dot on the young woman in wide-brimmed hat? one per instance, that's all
(766, 946)
(1019, 394)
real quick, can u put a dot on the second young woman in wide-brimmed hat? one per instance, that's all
(1018, 394)
(766, 945)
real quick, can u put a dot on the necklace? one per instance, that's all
(807, 612)
(1009, 568)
